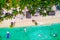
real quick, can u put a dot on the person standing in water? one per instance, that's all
(8, 35)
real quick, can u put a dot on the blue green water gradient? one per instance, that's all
(32, 33)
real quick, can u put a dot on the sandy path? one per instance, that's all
(28, 22)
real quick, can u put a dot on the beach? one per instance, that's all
(41, 20)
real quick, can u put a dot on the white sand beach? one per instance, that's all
(28, 22)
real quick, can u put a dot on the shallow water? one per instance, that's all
(32, 33)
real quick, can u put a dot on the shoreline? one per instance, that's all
(32, 26)
(48, 20)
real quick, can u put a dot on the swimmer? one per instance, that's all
(40, 35)
(24, 29)
(54, 35)
(8, 35)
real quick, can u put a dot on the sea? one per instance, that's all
(40, 32)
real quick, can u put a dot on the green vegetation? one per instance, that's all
(15, 12)
(1, 19)
(32, 6)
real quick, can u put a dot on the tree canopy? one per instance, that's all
(32, 5)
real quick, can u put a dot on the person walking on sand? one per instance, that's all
(12, 23)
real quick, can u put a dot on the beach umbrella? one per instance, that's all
(28, 15)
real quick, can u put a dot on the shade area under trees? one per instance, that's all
(32, 6)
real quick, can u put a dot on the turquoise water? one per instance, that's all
(32, 33)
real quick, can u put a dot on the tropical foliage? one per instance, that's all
(32, 6)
